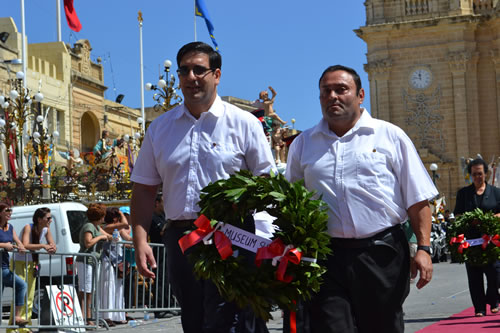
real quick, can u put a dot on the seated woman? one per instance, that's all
(35, 236)
(90, 235)
(7, 237)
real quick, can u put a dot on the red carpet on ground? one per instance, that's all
(466, 322)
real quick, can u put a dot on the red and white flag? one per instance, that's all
(73, 21)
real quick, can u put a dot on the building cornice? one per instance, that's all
(87, 80)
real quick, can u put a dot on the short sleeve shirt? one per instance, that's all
(369, 177)
(185, 154)
(94, 231)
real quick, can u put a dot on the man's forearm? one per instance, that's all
(141, 210)
(420, 219)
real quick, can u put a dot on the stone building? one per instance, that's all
(73, 89)
(434, 70)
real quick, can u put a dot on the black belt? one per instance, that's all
(179, 223)
(392, 233)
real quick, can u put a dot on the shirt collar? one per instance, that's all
(365, 121)
(216, 110)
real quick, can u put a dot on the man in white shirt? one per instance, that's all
(371, 177)
(201, 141)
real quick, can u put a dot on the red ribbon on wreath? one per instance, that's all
(279, 252)
(204, 232)
(493, 239)
(460, 239)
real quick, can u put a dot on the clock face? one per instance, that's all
(420, 78)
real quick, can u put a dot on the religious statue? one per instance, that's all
(278, 144)
(72, 161)
(104, 150)
(265, 103)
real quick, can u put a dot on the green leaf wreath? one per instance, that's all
(474, 224)
(302, 222)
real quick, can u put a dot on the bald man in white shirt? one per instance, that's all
(199, 142)
(370, 175)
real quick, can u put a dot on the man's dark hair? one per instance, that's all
(349, 70)
(159, 198)
(477, 161)
(214, 58)
(103, 134)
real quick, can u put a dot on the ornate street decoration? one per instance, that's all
(165, 95)
(424, 120)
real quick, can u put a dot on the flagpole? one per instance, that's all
(58, 8)
(194, 14)
(142, 73)
(23, 43)
(25, 69)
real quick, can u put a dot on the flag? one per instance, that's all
(201, 11)
(73, 21)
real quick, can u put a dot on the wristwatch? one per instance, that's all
(424, 248)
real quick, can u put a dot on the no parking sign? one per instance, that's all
(65, 307)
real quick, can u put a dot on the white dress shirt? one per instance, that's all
(369, 177)
(186, 154)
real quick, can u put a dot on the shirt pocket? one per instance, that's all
(219, 158)
(371, 169)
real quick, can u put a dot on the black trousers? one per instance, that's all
(363, 290)
(202, 308)
(476, 286)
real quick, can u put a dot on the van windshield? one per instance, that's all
(76, 219)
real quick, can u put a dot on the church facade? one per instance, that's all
(434, 70)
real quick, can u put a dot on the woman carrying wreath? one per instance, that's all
(486, 197)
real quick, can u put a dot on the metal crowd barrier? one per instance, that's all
(139, 294)
(63, 300)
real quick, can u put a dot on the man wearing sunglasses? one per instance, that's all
(201, 141)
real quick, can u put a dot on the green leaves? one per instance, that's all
(301, 220)
(475, 224)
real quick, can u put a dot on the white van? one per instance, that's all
(67, 220)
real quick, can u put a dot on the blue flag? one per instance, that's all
(201, 11)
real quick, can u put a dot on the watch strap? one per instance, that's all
(424, 248)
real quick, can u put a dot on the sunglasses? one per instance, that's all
(197, 70)
(8, 210)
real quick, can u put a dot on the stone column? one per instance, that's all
(495, 57)
(457, 62)
(379, 74)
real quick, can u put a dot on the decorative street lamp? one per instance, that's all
(44, 142)
(17, 109)
(435, 175)
(165, 93)
(136, 137)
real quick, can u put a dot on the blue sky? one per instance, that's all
(285, 44)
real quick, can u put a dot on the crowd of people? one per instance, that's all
(114, 261)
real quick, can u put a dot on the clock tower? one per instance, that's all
(434, 70)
